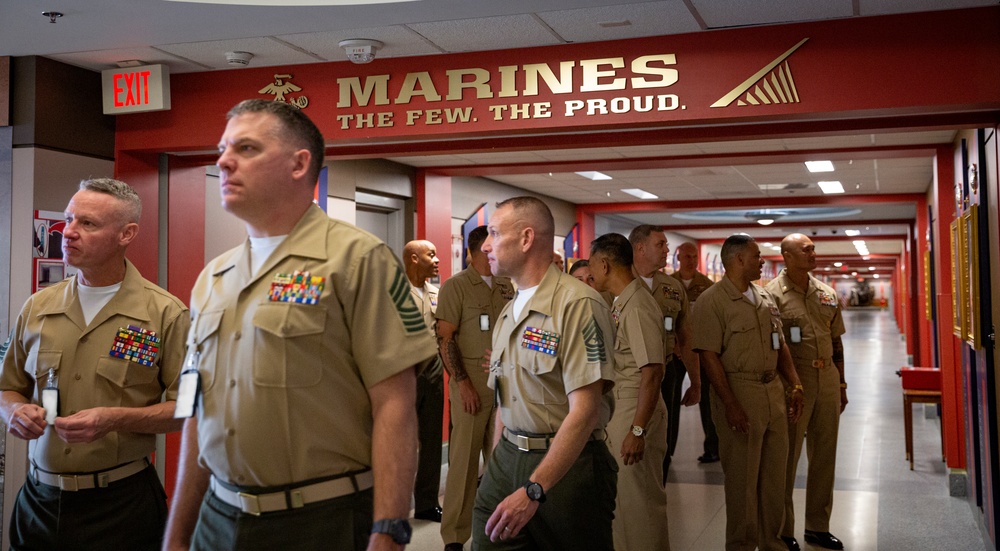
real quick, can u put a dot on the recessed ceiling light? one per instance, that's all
(852, 233)
(819, 166)
(594, 175)
(831, 187)
(636, 192)
(838, 264)
(875, 276)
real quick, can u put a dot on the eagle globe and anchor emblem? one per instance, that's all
(281, 86)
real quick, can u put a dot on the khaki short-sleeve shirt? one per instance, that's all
(638, 337)
(562, 341)
(463, 301)
(815, 311)
(742, 333)
(699, 282)
(287, 355)
(142, 322)
(426, 299)
(673, 302)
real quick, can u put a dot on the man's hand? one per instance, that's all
(511, 515)
(795, 402)
(85, 426)
(470, 397)
(843, 399)
(691, 396)
(737, 418)
(27, 421)
(633, 449)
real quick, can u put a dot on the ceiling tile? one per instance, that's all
(266, 52)
(399, 41)
(732, 13)
(643, 19)
(100, 60)
(879, 7)
(491, 33)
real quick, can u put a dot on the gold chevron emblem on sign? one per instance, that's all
(772, 84)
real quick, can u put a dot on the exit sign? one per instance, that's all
(136, 89)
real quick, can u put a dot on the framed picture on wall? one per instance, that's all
(957, 297)
(970, 226)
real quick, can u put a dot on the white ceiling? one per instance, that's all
(193, 37)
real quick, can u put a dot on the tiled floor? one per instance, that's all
(879, 504)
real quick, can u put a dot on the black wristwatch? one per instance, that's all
(535, 491)
(397, 528)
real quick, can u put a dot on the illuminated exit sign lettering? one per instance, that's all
(136, 89)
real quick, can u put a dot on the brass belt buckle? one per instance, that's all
(767, 377)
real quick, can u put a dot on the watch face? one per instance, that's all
(534, 491)
(638, 431)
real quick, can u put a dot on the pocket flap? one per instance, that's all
(290, 320)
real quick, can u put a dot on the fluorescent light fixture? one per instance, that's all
(831, 187)
(838, 264)
(594, 175)
(765, 221)
(871, 268)
(875, 276)
(819, 166)
(852, 233)
(636, 192)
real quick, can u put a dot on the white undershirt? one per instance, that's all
(687, 282)
(419, 290)
(522, 298)
(92, 299)
(488, 280)
(648, 280)
(751, 296)
(261, 248)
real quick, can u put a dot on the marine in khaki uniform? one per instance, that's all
(638, 429)
(550, 483)
(304, 339)
(695, 284)
(108, 343)
(650, 249)
(737, 332)
(421, 263)
(468, 306)
(812, 324)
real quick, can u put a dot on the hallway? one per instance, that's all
(879, 504)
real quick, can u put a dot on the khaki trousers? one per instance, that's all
(819, 426)
(471, 436)
(640, 522)
(754, 463)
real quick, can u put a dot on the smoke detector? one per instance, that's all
(361, 50)
(239, 58)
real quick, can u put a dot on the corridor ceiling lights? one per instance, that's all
(764, 217)
(831, 187)
(852, 233)
(641, 194)
(862, 248)
(819, 166)
(594, 175)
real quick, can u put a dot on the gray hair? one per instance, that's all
(132, 208)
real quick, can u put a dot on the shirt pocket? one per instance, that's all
(741, 346)
(127, 383)
(205, 326)
(540, 384)
(44, 362)
(288, 344)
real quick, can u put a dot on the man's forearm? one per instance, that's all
(451, 356)
(689, 358)
(651, 376)
(838, 357)
(154, 419)
(394, 443)
(717, 376)
(192, 483)
(572, 436)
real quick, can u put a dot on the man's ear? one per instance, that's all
(301, 160)
(128, 233)
(527, 238)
